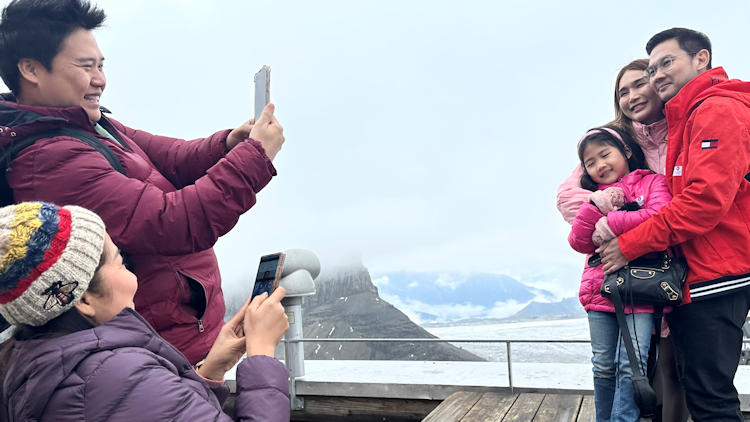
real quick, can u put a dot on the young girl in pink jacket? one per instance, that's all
(624, 193)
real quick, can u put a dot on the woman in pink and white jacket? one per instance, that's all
(622, 193)
(639, 111)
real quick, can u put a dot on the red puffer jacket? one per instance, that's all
(165, 214)
(642, 185)
(708, 156)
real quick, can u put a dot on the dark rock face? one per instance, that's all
(346, 305)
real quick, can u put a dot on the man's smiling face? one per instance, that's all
(77, 76)
(671, 68)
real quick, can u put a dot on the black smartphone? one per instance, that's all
(269, 273)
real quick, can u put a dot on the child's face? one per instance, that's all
(604, 163)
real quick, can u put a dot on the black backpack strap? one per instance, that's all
(93, 141)
(87, 138)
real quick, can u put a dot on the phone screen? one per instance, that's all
(269, 273)
(262, 90)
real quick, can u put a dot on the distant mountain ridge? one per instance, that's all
(566, 308)
(436, 298)
(480, 289)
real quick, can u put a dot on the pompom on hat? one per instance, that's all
(48, 256)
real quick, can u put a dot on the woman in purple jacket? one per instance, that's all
(81, 352)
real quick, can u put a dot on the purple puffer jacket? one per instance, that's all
(643, 185)
(165, 214)
(123, 371)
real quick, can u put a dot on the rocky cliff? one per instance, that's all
(347, 305)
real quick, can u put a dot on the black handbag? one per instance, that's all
(653, 279)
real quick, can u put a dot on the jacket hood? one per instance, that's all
(42, 365)
(711, 83)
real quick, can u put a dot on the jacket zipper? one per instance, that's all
(200, 320)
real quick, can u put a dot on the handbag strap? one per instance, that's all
(635, 364)
(658, 314)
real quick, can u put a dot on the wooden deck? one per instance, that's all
(536, 407)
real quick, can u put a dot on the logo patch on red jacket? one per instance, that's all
(709, 144)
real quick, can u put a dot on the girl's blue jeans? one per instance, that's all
(613, 389)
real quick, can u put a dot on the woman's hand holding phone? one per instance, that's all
(265, 323)
(227, 349)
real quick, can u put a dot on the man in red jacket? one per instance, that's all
(708, 157)
(172, 200)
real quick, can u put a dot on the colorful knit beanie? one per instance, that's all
(48, 256)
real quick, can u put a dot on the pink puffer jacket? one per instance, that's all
(642, 185)
(653, 141)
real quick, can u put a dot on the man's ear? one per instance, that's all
(85, 306)
(30, 69)
(701, 60)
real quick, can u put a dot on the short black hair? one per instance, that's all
(637, 158)
(36, 29)
(689, 40)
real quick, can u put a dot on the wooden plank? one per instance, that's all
(558, 408)
(524, 408)
(491, 407)
(324, 408)
(587, 412)
(454, 407)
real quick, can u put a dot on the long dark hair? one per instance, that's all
(608, 135)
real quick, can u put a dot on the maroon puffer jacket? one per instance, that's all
(165, 214)
(123, 371)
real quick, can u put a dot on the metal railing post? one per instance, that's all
(294, 352)
(510, 368)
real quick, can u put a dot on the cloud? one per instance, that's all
(381, 281)
(415, 309)
(450, 280)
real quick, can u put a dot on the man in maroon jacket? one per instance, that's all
(708, 157)
(175, 198)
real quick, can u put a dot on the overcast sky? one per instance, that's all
(420, 135)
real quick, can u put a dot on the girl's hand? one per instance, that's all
(608, 199)
(265, 323)
(227, 349)
(602, 232)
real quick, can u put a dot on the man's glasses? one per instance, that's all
(664, 64)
